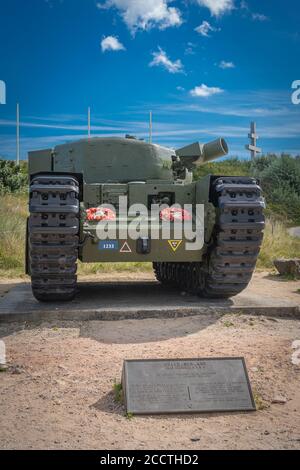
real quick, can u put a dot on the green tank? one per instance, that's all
(136, 193)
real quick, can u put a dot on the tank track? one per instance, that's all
(53, 237)
(229, 263)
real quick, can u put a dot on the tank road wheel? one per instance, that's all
(237, 239)
(53, 237)
(164, 273)
(196, 280)
(157, 271)
(183, 278)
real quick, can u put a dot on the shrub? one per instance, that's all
(281, 184)
(13, 178)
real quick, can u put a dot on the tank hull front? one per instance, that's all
(162, 248)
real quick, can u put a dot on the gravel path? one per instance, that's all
(58, 391)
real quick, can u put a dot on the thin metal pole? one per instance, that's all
(150, 128)
(89, 122)
(18, 134)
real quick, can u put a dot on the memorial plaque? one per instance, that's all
(186, 386)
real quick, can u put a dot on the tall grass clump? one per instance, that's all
(277, 243)
(13, 214)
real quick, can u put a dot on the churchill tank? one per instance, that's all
(126, 200)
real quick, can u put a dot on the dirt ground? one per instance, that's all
(58, 390)
(263, 283)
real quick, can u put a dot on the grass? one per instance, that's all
(98, 268)
(260, 403)
(13, 213)
(277, 244)
(118, 391)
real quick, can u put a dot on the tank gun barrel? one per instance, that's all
(200, 154)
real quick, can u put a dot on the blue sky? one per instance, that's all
(204, 67)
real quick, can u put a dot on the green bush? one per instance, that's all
(281, 183)
(13, 178)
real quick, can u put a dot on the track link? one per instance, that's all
(53, 237)
(229, 263)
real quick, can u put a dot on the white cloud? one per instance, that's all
(145, 14)
(204, 91)
(273, 104)
(190, 49)
(58, 125)
(226, 65)
(160, 59)
(205, 28)
(217, 7)
(111, 43)
(259, 17)
(255, 16)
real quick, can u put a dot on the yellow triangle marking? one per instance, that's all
(174, 244)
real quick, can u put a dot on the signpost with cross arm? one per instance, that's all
(252, 147)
